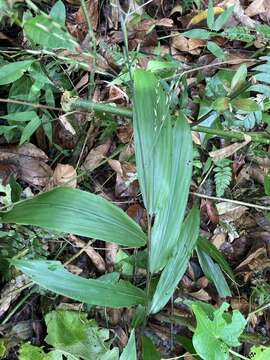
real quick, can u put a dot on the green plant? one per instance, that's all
(163, 155)
(217, 332)
(72, 336)
(223, 175)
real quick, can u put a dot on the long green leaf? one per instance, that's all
(152, 137)
(213, 273)
(52, 276)
(48, 33)
(176, 267)
(77, 212)
(167, 226)
(210, 249)
(13, 71)
(164, 164)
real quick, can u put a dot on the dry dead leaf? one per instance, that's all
(212, 211)
(201, 295)
(110, 254)
(192, 46)
(96, 156)
(230, 212)
(126, 184)
(94, 256)
(218, 239)
(76, 270)
(11, 292)
(92, 7)
(67, 125)
(239, 13)
(259, 253)
(64, 175)
(117, 95)
(229, 150)
(124, 134)
(255, 8)
(27, 162)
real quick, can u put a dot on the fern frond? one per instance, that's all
(262, 76)
(241, 33)
(223, 176)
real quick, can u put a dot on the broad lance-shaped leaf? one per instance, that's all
(213, 273)
(164, 164)
(153, 138)
(13, 71)
(177, 265)
(77, 212)
(210, 249)
(48, 33)
(168, 221)
(52, 276)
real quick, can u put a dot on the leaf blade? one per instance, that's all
(13, 71)
(177, 265)
(52, 276)
(165, 233)
(77, 212)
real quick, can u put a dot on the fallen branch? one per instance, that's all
(75, 103)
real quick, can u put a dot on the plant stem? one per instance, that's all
(83, 104)
(76, 103)
(238, 355)
(39, 106)
(237, 135)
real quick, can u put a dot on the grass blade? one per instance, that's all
(77, 212)
(176, 267)
(52, 276)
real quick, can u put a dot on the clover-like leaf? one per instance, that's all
(214, 337)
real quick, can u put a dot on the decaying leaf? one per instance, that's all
(230, 212)
(229, 150)
(255, 8)
(126, 183)
(192, 46)
(63, 175)
(95, 257)
(27, 163)
(96, 156)
(11, 292)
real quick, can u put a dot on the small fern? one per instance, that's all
(241, 33)
(223, 175)
(248, 35)
(262, 77)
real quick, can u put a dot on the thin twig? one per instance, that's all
(39, 106)
(198, 68)
(255, 206)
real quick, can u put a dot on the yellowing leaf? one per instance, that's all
(203, 15)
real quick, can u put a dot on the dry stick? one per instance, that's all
(75, 103)
(242, 203)
(40, 106)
